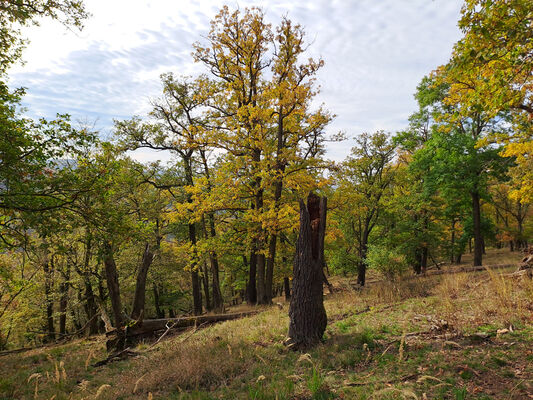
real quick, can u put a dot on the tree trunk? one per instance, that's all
(101, 300)
(48, 268)
(205, 282)
(424, 260)
(258, 245)
(417, 267)
(159, 311)
(361, 266)
(287, 288)
(478, 237)
(452, 247)
(218, 301)
(196, 293)
(90, 302)
(252, 287)
(307, 314)
(269, 277)
(278, 189)
(196, 290)
(520, 215)
(75, 319)
(63, 300)
(261, 299)
(113, 288)
(139, 298)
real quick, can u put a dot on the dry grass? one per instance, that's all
(494, 257)
(376, 341)
(208, 359)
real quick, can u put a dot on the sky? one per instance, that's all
(375, 53)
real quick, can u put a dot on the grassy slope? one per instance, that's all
(416, 341)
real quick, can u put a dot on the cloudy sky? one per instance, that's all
(376, 52)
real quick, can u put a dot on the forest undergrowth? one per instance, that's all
(452, 336)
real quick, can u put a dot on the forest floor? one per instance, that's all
(453, 336)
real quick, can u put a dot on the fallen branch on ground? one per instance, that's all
(150, 327)
(120, 355)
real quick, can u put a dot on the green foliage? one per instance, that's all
(363, 183)
(247, 142)
(316, 385)
(16, 13)
(387, 261)
(460, 393)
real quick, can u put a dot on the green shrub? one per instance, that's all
(387, 261)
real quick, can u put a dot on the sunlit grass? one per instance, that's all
(391, 340)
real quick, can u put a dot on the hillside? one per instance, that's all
(452, 336)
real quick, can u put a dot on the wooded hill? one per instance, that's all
(102, 241)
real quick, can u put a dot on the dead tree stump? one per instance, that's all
(307, 314)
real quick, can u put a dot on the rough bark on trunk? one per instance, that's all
(478, 237)
(307, 314)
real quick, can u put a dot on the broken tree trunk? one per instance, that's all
(150, 327)
(307, 314)
(527, 261)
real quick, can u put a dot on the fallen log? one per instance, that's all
(19, 350)
(120, 355)
(527, 261)
(151, 327)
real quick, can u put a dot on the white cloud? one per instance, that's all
(376, 52)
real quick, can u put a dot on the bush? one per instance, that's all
(387, 261)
